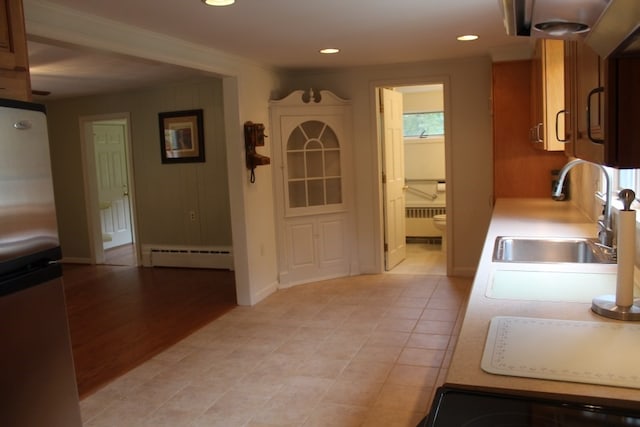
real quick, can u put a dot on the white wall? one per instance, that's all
(469, 133)
(247, 88)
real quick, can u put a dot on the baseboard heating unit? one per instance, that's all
(419, 221)
(187, 256)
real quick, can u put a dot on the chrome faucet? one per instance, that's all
(605, 229)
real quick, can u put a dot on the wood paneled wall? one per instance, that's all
(519, 169)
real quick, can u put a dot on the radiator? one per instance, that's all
(190, 257)
(419, 221)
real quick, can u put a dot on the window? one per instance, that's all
(621, 179)
(423, 124)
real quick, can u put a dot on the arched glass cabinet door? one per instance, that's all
(314, 174)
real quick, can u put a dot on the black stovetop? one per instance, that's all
(456, 407)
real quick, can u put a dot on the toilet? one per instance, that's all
(440, 222)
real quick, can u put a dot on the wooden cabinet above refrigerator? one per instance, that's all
(14, 60)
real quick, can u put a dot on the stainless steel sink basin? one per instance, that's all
(551, 250)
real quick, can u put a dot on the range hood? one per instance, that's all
(608, 26)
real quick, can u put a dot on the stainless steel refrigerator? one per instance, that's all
(37, 378)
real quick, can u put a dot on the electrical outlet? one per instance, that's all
(192, 215)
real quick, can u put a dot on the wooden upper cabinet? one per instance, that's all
(589, 104)
(605, 107)
(622, 113)
(547, 96)
(570, 112)
(14, 60)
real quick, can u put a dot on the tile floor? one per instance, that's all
(359, 351)
(423, 258)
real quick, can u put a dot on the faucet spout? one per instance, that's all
(605, 233)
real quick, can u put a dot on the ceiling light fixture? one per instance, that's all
(218, 2)
(467, 37)
(329, 50)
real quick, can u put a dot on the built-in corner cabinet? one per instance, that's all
(14, 61)
(312, 145)
(602, 106)
(547, 95)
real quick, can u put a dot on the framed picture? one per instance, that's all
(181, 136)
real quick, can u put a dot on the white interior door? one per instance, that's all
(394, 182)
(113, 184)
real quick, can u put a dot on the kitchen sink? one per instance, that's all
(551, 250)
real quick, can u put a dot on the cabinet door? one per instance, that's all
(536, 130)
(589, 143)
(622, 147)
(547, 95)
(13, 41)
(570, 112)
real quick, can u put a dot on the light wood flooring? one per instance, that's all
(121, 316)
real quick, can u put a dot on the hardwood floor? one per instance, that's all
(121, 316)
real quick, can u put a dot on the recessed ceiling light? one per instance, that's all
(467, 37)
(329, 50)
(218, 2)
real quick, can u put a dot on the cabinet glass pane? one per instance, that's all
(329, 138)
(297, 194)
(332, 163)
(314, 145)
(334, 191)
(296, 140)
(295, 165)
(316, 192)
(313, 128)
(314, 164)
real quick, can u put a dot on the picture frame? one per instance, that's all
(181, 136)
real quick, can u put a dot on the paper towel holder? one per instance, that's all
(614, 306)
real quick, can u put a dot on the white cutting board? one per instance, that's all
(605, 353)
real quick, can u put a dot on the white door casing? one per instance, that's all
(90, 177)
(311, 155)
(394, 180)
(113, 184)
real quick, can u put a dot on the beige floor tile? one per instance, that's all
(334, 415)
(423, 377)
(421, 357)
(434, 327)
(378, 353)
(195, 399)
(411, 302)
(361, 370)
(285, 411)
(440, 315)
(398, 325)
(403, 398)
(357, 393)
(322, 367)
(305, 388)
(404, 312)
(170, 417)
(382, 417)
(430, 341)
(355, 351)
(390, 338)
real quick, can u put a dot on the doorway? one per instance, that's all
(109, 189)
(423, 228)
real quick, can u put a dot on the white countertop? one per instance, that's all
(527, 217)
